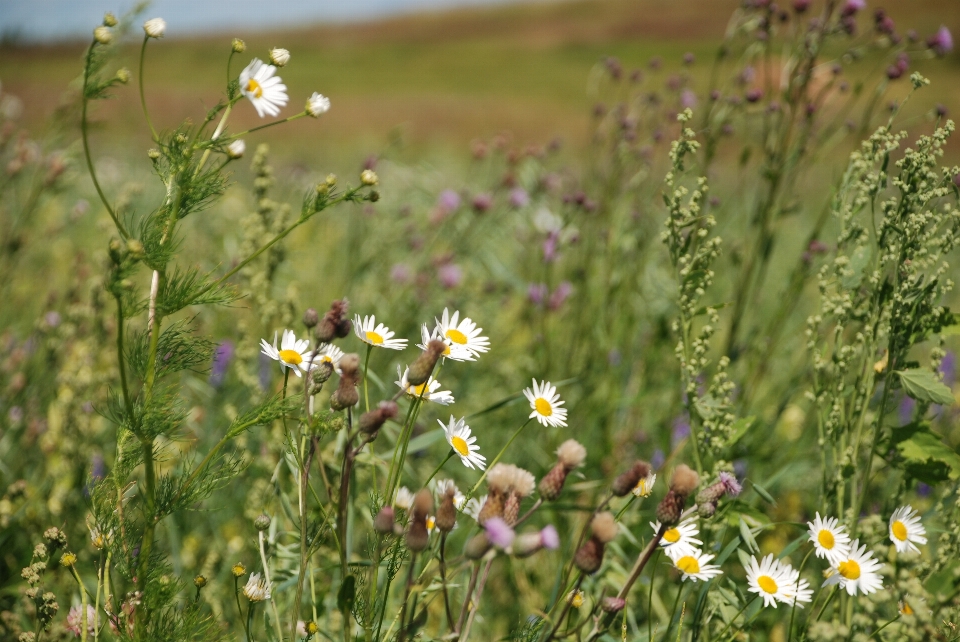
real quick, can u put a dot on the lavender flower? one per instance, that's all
(549, 537)
(941, 42)
(537, 293)
(730, 484)
(222, 357)
(498, 532)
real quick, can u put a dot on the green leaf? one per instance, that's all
(740, 428)
(424, 440)
(763, 493)
(928, 458)
(747, 535)
(923, 385)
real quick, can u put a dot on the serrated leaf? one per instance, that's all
(923, 385)
(928, 456)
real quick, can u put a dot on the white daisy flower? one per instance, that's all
(906, 530)
(317, 105)
(330, 354)
(376, 334)
(256, 588)
(404, 498)
(155, 27)
(857, 572)
(432, 393)
(776, 581)
(463, 443)
(681, 539)
(464, 334)
(265, 91)
(279, 57)
(695, 566)
(236, 149)
(453, 351)
(645, 486)
(294, 354)
(546, 404)
(830, 539)
(470, 508)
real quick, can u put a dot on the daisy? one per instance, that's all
(681, 539)
(266, 91)
(465, 334)
(695, 566)
(257, 589)
(906, 530)
(829, 538)
(471, 507)
(431, 524)
(645, 486)
(404, 498)
(546, 404)
(453, 351)
(330, 354)
(376, 334)
(443, 397)
(858, 570)
(441, 486)
(293, 353)
(463, 443)
(776, 581)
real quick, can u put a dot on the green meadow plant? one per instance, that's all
(301, 493)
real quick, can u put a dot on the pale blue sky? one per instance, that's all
(48, 20)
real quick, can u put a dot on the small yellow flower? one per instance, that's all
(312, 628)
(239, 570)
(904, 608)
(575, 598)
(199, 581)
(68, 559)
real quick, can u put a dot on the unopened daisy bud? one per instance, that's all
(109, 20)
(368, 177)
(671, 507)
(384, 520)
(684, 479)
(236, 149)
(417, 537)
(611, 604)
(279, 57)
(262, 522)
(312, 628)
(68, 559)
(155, 27)
(447, 513)
(238, 46)
(103, 35)
(371, 421)
(115, 249)
(331, 180)
(317, 105)
(153, 154)
(477, 546)
(199, 581)
(422, 368)
(627, 480)
(239, 570)
(123, 75)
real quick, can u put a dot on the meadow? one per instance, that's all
(700, 257)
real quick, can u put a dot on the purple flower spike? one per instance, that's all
(222, 357)
(549, 537)
(499, 533)
(730, 484)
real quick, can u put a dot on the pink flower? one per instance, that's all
(75, 620)
(450, 275)
(498, 532)
(941, 42)
(549, 537)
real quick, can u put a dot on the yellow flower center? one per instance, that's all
(291, 356)
(543, 407)
(326, 359)
(456, 336)
(766, 583)
(899, 530)
(417, 391)
(374, 338)
(672, 535)
(688, 565)
(849, 569)
(253, 87)
(431, 522)
(905, 609)
(577, 600)
(826, 540)
(460, 446)
(446, 350)
(641, 490)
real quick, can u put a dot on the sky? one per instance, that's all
(52, 20)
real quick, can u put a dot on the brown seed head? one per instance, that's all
(371, 421)
(684, 479)
(589, 557)
(571, 454)
(417, 536)
(627, 480)
(604, 527)
(447, 513)
(422, 504)
(383, 522)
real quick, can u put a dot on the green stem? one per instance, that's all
(437, 469)
(83, 603)
(734, 618)
(259, 127)
(793, 610)
(273, 601)
(497, 458)
(236, 594)
(877, 632)
(143, 101)
(366, 364)
(121, 362)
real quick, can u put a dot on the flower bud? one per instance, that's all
(333, 322)
(420, 370)
(317, 105)
(279, 57)
(262, 522)
(684, 479)
(371, 421)
(368, 177)
(155, 27)
(68, 559)
(135, 249)
(477, 547)
(345, 396)
(115, 249)
(422, 504)
(417, 536)
(103, 35)
(123, 75)
(670, 509)
(589, 557)
(384, 520)
(238, 569)
(56, 538)
(612, 604)
(311, 318)
(199, 581)
(706, 510)
(153, 154)
(373, 196)
(109, 20)
(447, 513)
(236, 149)
(511, 509)
(499, 532)
(318, 376)
(238, 46)
(552, 483)
(492, 507)
(627, 480)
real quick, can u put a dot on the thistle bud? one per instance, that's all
(477, 547)
(627, 480)
(371, 421)
(706, 510)
(684, 479)
(417, 536)
(320, 373)
(262, 522)
(311, 318)
(447, 513)
(421, 369)
(570, 455)
(589, 557)
(422, 504)
(612, 604)
(199, 581)
(671, 507)
(511, 509)
(492, 507)
(333, 322)
(384, 520)
(238, 46)
(103, 35)
(345, 396)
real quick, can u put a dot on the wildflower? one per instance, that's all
(430, 391)
(376, 334)
(404, 498)
(371, 421)
(695, 566)
(465, 334)
(626, 481)
(431, 524)
(683, 481)
(109, 20)
(335, 324)
(238, 46)
(546, 403)
(471, 507)
(68, 559)
(906, 530)
(256, 588)
(645, 486)
(679, 540)
(200, 581)
(293, 353)
(155, 27)
(239, 570)
(418, 535)
(829, 538)
(941, 42)
(422, 368)
(103, 35)
(570, 455)
(236, 149)
(776, 581)
(529, 543)
(75, 620)
(329, 354)
(369, 178)
(123, 75)
(463, 443)
(446, 519)
(858, 571)
(99, 538)
(453, 351)
(317, 105)
(279, 57)
(589, 557)
(265, 91)
(384, 520)
(575, 598)
(499, 532)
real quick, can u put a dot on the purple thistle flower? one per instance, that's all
(450, 275)
(680, 431)
(498, 532)
(564, 290)
(550, 247)
(448, 201)
(536, 293)
(222, 357)
(519, 198)
(941, 42)
(688, 99)
(853, 6)
(948, 368)
(730, 484)
(549, 537)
